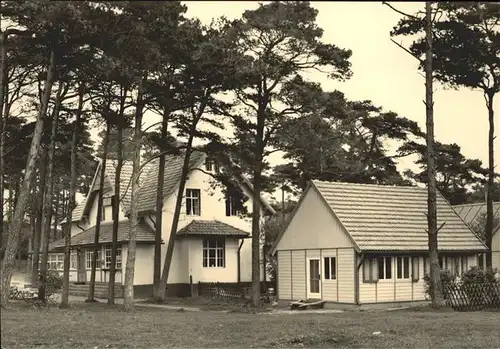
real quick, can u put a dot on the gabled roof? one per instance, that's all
(393, 218)
(144, 235)
(148, 181)
(213, 228)
(470, 213)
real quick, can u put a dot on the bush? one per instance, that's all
(447, 278)
(477, 276)
(54, 281)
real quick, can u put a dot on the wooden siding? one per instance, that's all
(495, 248)
(299, 274)
(329, 287)
(313, 226)
(399, 290)
(292, 274)
(345, 275)
(285, 275)
(496, 259)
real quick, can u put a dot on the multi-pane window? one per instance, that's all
(403, 267)
(330, 267)
(214, 253)
(385, 268)
(231, 205)
(73, 261)
(211, 165)
(88, 258)
(56, 261)
(193, 202)
(107, 257)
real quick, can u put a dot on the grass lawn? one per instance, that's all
(97, 325)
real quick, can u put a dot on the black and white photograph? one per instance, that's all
(249, 174)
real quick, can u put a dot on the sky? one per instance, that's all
(383, 72)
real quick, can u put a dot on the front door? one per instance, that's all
(82, 267)
(314, 279)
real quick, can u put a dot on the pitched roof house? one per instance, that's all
(364, 243)
(210, 242)
(474, 214)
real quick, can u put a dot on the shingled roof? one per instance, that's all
(215, 228)
(148, 182)
(144, 235)
(386, 218)
(470, 213)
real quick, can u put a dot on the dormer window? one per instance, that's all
(193, 202)
(211, 165)
(231, 206)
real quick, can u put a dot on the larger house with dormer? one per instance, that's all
(213, 238)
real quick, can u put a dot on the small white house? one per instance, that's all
(362, 243)
(471, 213)
(212, 241)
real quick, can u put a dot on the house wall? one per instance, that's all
(495, 248)
(108, 215)
(292, 274)
(315, 232)
(314, 226)
(213, 207)
(402, 290)
(199, 273)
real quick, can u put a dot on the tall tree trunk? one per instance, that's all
(91, 295)
(49, 193)
(436, 293)
(71, 201)
(157, 291)
(3, 124)
(16, 223)
(491, 177)
(175, 220)
(256, 208)
(130, 268)
(178, 203)
(42, 169)
(56, 205)
(116, 197)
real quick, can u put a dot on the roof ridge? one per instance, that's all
(369, 184)
(475, 204)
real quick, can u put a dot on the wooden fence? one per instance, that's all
(222, 290)
(470, 297)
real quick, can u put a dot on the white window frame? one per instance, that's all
(217, 246)
(231, 206)
(193, 196)
(55, 261)
(107, 257)
(385, 260)
(73, 261)
(401, 263)
(88, 258)
(332, 272)
(209, 164)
